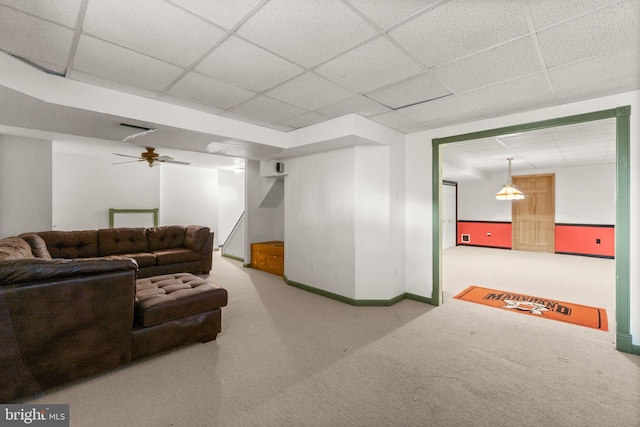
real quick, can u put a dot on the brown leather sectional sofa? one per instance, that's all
(159, 250)
(68, 300)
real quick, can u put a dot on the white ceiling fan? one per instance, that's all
(151, 157)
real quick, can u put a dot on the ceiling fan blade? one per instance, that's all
(163, 158)
(131, 161)
(125, 155)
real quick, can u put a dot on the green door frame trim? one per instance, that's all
(623, 207)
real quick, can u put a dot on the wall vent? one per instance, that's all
(465, 238)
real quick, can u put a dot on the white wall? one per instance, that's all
(189, 195)
(584, 195)
(371, 221)
(25, 190)
(86, 187)
(418, 178)
(345, 221)
(319, 228)
(230, 203)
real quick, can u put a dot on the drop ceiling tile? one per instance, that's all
(199, 106)
(306, 119)
(504, 62)
(207, 91)
(308, 32)
(121, 65)
(393, 120)
(529, 145)
(310, 92)
(156, 28)
(586, 146)
(33, 38)
(600, 76)
(592, 34)
(243, 64)
(420, 88)
(386, 13)
(110, 84)
(358, 104)
(462, 117)
(596, 130)
(520, 94)
(436, 109)
(63, 12)
(371, 66)
(267, 110)
(222, 12)
(585, 139)
(526, 138)
(455, 29)
(468, 146)
(549, 12)
(253, 120)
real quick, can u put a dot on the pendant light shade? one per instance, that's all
(509, 191)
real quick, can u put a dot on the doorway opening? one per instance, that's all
(622, 224)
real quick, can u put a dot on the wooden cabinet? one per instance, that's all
(268, 256)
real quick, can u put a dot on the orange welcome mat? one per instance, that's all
(582, 315)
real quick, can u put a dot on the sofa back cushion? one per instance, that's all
(38, 245)
(166, 237)
(196, 237)
(14, 248)
(71, 244)
(122, 240)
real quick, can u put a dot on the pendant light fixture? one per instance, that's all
(509, 191)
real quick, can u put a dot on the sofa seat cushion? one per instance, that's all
(144, 259)
(176, 256)
(160, 299)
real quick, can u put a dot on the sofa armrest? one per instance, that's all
(207, 255)
(37, 269)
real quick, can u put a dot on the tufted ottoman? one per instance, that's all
(175, 309)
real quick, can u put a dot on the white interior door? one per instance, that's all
(449, 215)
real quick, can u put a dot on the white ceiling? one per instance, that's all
(591, 143)
(409, 65)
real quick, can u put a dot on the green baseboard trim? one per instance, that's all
(356, 302)
(321, 292)
(635, 349)
(237, 258)
(379, 302)
(623, 343)
(419, 298)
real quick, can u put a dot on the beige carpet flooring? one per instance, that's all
(287, 357)
(576, 279)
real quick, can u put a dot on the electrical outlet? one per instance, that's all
(313, 264)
